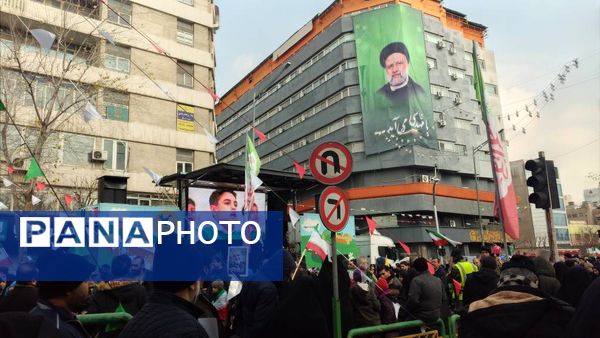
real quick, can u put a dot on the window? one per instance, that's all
(469, 56)
(430, 37)
(185, 160)
(123, 12)
(117, 154)
(432, 63)
(476, 129)
(117, 58)
(185, 73)
(491, 89)
(187, 2)
(469, 78)
(77, 149)
(460, 148)
(117, 105)
(185, 33)
(462, 124)
(446, 146)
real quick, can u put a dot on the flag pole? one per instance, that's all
(298, 264)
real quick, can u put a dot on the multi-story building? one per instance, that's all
(533, 230)
(308, 91)
(146, 63)
(589, 213)
(592, 195)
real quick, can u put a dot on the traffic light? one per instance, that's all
(543, 182)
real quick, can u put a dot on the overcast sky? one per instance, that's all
(532, 40)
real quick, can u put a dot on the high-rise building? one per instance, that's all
(322, 85)
(533, 230)
(142, 64)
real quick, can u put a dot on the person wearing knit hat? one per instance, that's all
(395, 60)
(517, 308)
(60, 301)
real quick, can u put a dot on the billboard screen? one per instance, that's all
(207, 199)
(394, 79)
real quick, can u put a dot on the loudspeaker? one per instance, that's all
(112, 189)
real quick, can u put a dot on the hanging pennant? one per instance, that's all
(10, 169)
(260, 134)
(90, 113)
(44, 38)
(107, 36)
(40, 185)
(300, 169)
(210, 136)
(294, 217)
(3, 206)
(7, 182)
(35, 200)
(155, 177)
(68, 200)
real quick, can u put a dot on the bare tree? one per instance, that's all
(44, 91)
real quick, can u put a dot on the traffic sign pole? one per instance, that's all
(337, 318)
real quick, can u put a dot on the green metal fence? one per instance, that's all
(395, 327)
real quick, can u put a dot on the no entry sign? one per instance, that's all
(331, 163)
(334, 208)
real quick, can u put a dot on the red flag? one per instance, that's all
(300, 169)
(68, 200)
(404, 247)
(260, 134)
(10, 170)
(40, 185)
(214, 96)
(457, 287)
(430, 268)
(372, 224)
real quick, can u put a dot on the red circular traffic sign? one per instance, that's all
(331, 163)
(334, 208)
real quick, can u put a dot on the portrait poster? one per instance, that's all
(394, 79)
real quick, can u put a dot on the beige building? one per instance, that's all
(155, 114)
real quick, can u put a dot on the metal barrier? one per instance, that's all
(105, 318)
(452, 326)
(396, 326)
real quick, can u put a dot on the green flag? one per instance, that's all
(251, 174)
(252, 155)
(34, 170)
(2, 106)
(116, 326)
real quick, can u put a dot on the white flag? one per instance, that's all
(294, 217)
(7, 182)
(35, 200)
(155, 177)
(3, 206)
(210, 136)
(256, 182)
(90, 113)
(43, 37)
(107, 36)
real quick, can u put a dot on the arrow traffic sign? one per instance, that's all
(331, 163)
(334, 208)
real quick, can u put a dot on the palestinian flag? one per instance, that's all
(441, 240)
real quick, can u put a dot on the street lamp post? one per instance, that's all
(435, 179)
(475, 150)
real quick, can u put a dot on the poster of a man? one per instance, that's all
(394, 80)
(395, 59)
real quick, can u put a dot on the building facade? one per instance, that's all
(308, 92)
(533, 230)
(145, 64)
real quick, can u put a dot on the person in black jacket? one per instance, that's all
(573, 285)
(130, 295)
(479, 284)
(60, 302)
(517, 308)
(24, 295)
(585, 321)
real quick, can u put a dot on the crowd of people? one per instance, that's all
(520, 297)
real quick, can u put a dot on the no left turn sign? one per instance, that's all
(334, 208)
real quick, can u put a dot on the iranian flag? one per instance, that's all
(505, 192)
(441, 240)
(319, 246)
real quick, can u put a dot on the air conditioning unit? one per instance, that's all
(439, 94)
(442, 123)
(424, 178)
(440, 44)
(452, 50)
(454, 76)
(457, 100)
(99, 155)
(452, 223)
